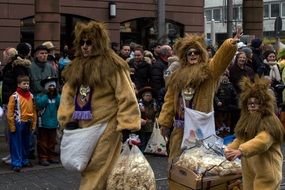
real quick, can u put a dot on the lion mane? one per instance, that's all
(265, 119)
(102, 63)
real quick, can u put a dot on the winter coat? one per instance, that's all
(257, 62)
(157, 75)
(40, 71)
(236, 74)
(148, 112)
(274, 72)
(49, 109)
(227, 95)
(142, 71)
(10, 73)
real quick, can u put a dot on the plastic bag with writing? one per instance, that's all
(156, 143)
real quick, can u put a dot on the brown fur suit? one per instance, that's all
(259, 137)
(204, 76)
(113, 100)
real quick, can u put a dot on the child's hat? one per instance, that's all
(49, 82)
(145, 89)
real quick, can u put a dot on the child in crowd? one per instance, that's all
(48, 103)
(21, 117)
(225, 103)
(148, 108)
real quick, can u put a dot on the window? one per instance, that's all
(275, 10)
(266, 11)
(283, 10)
(208, 14)
(217, 14)
(236, 13)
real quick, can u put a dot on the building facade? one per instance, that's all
(36, 21)
(217, 10)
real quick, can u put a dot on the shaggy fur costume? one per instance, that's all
(203, 76)
(113, 100)
(259, 137)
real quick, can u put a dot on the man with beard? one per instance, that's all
(196, 79)
(259, 135)
(98, 90)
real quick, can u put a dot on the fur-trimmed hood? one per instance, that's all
(259, 89)
(21, 62)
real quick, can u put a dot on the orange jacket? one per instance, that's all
(23, 110)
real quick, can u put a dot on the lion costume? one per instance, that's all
(259, 137)
(113, 100)
(203, 76)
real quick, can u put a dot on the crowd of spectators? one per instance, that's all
(149, 71)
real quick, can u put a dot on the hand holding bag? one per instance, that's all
(78, 145)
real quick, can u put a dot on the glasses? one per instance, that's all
(193, 52)
(87, 42)
(253, 103)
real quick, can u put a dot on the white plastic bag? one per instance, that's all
(138, 175)
(117, 176)
(1, 111)
(78, 145)
(156, 143)
(132, 171)
(197, 126)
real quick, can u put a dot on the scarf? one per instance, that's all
(23, 93)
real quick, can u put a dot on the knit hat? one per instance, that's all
(23, 49)
(247, 51)
(256, 43)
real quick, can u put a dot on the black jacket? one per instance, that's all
(10, 73)
(157, 71)
(141, 75)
